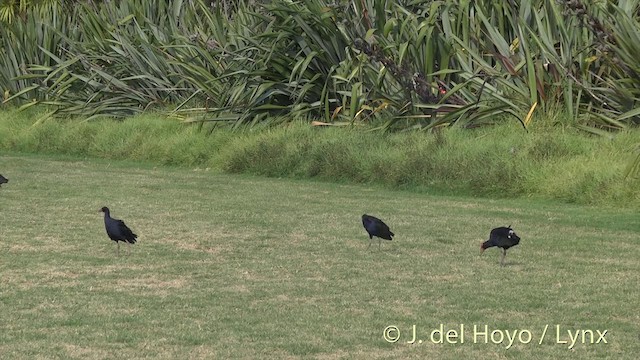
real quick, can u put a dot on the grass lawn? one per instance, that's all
(244, 267)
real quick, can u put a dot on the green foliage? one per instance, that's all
(399, 66)
(32, 43)
(14, 11)
(550, 161)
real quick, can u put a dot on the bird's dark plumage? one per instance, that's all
(117, 230)
(3, 180)
(502, 237)
(376, 227)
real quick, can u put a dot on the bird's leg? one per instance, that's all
(369, 245)
(504, 253)
(118, 248)
(379, 243)
(129, 249)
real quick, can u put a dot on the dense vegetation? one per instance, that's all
(500, 161)
(559, 65)
(401, 65)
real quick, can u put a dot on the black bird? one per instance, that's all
(3, 180)
(502, 237)
(376, 227)
(117, 230)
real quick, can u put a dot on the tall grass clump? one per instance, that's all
(502, 161)
(147, 137)
(269, 153)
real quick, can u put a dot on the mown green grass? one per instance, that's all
(245, 267)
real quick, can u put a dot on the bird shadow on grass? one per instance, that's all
(391, 250)
(509, 264)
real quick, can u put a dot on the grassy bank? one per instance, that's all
(550, 162)
(241, 267)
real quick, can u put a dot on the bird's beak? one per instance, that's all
(481, 250)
